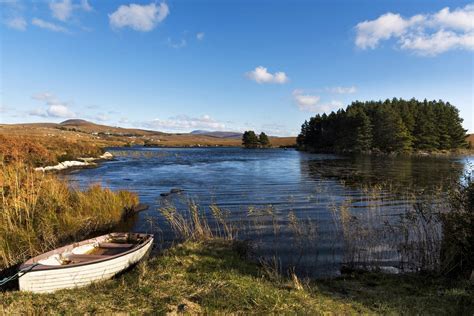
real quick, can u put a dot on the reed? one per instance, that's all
(38, 211)
(194, 224)
(410, 239)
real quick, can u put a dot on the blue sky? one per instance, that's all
(178, 66)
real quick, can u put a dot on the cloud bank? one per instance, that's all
(424, 34)
(311, 103)
(142, 18)
(185, 123)
(62, 10)
(55, 108)
(48, 25)
(342, 90)
(261, 75)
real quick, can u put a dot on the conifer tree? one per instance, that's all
(393, 125)
(363, 141)
(456, 132)
(263, 140)
(425, 134)
(250, 140)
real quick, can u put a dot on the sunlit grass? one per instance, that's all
(214, 276)
(42, 151)
(38, 211)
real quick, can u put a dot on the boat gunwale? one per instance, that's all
(43, 267)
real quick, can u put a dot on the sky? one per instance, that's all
(178, 66)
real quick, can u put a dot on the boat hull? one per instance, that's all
(50, 280)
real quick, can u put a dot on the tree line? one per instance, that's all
(395, 125)
(251, 140)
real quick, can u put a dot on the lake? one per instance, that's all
(298, 209)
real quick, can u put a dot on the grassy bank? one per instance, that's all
(83, 139)
(214, 276)
(39, 212)
(42, 151)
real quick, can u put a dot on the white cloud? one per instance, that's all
(59, 110)
(424, 34)
(139, 17)
(342, 90)
(311, 103)
(306, 102)
(439, 42)
(200, 36)
(370, 33)
(61, 10)
(460, 18)
(49, 26)
(185, 123)
(17, 23)
(261, 75)
(55, 108)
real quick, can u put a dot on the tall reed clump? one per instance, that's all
(457, 250)
(38, 211)
(194, 224)
(410, 239)
(420, 234)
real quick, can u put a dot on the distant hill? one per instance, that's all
(76, 122)
(90, 127)
(217, 134)
(85, 131)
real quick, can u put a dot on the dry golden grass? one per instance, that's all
(88, 138)
(39, 212)
(41, 150)
(470, 141)
(14, 149)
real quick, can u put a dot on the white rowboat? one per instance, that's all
(82, 263)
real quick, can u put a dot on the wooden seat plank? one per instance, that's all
(114, 245)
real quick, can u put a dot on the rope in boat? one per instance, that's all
(18, 274)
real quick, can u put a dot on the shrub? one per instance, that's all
(13, 149)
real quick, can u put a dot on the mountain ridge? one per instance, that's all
(80, 130)
(219, 134)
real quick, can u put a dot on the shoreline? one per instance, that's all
(79, 163)
(218, 276)
(417, 154)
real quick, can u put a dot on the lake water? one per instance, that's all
(290, 204)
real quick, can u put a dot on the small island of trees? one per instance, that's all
(251, 140)
(389, 126)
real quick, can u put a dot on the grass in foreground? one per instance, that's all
(212, 276)
(39, 212)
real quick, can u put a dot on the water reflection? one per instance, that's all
(415, 173)
(292, 205)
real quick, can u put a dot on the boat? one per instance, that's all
(82, 263)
